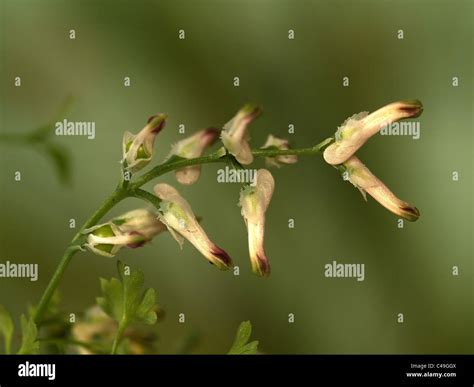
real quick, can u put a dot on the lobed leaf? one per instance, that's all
(29, 342)
(125, 300)
(241, 346)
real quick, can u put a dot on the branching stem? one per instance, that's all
(132, 189)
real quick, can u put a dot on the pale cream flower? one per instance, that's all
(235, 134)
(281, 144)
(177, 215)
(99, 329)
(192, 147)
(360, 176)
(357, 129)
(138, 149)
(96, 326)
(254, 201)
(132, 229)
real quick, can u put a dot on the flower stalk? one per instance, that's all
(137, 152)
(133, 190)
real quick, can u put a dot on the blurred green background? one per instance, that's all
(297, 82)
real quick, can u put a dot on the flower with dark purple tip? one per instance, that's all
(357, 129)
(254, 201)
(177, 215)
(138, 148)
(361, 177)
(132, 229)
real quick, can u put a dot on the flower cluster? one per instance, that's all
(352, 134)
(173, 213)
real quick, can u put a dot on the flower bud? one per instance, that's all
(281, 144)
(133, 229)
(254, 201)
(177, 215)
(235, 135)
(192, 147)
(138, 149)
(360, 176)
(357, 129)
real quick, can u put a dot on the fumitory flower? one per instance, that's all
(360, 176)
(281, 144)
(99, 329)
(138, 149)
(357, 129)
(235, 134)
(177, 215)
(132, 229)
(254, 201)
(192, 147)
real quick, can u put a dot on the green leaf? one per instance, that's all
(6, 328)
(61, 161)
(111, 302)
(29, 342)
(125, 300)
(241, 345)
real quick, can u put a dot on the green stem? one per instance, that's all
(53, 283)
(118, 336)
(129, 189)
(147, 196)
(173, 165)
(72, 249)
(219, 156)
